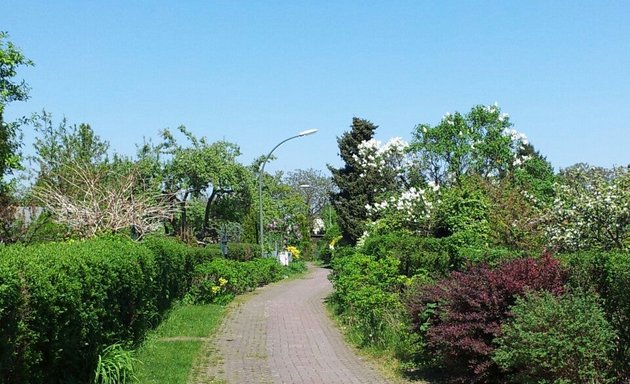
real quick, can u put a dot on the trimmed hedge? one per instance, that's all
(62, 303)
(219, 280)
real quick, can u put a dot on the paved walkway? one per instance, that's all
(282, 334)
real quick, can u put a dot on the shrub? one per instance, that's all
(460, 316)
(324, 252)
(489, 255)
(175, 271)
(556, 339)
(294, 251)
(366, 294)
(465, 249)
(73, 299)
(210, 251)
(514, 221)
(219, 280)
(61, 303)
(607, 274)
(297, 266)
(44, 229)
(464, 208)
(416, 254)
(242, 251)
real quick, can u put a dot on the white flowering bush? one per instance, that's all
(388, 160)
(591, 210)
(406, 206)
(318, 226)
(411, 208)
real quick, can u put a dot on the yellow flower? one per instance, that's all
(334, 242)
(222, 281)
(215, 288)
(294, 251)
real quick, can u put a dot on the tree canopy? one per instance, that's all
(11, 89)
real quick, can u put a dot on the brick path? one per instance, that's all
(282, 334)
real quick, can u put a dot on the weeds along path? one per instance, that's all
(282, 334)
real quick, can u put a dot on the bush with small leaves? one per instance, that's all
(416, 254)
(556, 339)
(61, 303)
(607, 274)
(366, 294)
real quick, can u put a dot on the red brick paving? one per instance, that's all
(282, 334)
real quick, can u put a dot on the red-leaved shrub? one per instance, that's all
(460, 315)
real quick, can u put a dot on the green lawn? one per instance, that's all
(169, 353)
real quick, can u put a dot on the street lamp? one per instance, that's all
(260, 176)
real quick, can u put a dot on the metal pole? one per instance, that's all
(260, 177)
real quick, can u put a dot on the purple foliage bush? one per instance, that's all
(461, 315)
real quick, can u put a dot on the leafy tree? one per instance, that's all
(285, 212)
(199, 168)
(314, 187)
(62, 147)
(481, 142)
(355, 189)
(535, 175)
(11, 58)
(11, 89)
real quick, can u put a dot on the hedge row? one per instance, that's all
(219, 280)
(61, 303)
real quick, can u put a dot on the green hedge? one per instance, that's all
(62, 303)
(367, 297)
(219, 280)
(416, 254)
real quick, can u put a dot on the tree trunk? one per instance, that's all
(206, 217)
(183, 224)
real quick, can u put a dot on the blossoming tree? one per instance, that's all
(591, 209)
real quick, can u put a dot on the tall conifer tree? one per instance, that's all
(355, 188)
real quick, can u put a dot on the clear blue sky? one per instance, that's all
(257, 72)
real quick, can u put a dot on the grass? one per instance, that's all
(173, 352)
(168, 354)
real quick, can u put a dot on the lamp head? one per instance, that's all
(307, 132)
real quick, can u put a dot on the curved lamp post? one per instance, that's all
(260, 176)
